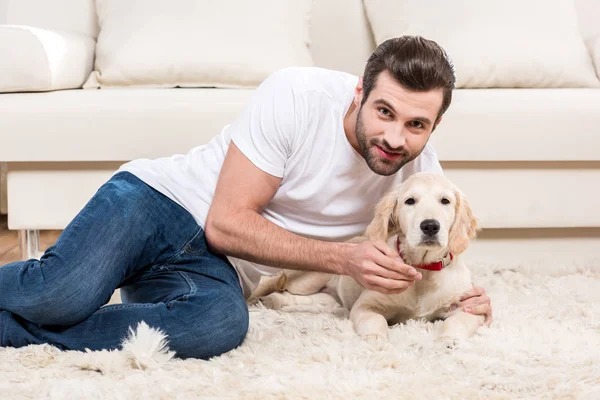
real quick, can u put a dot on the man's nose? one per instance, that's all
(395, 138)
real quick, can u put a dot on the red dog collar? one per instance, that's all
(436, 266)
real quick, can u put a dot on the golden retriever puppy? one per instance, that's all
(429, 221)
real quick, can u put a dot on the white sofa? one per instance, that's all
(528, 158)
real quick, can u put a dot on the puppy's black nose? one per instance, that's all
(430, 227)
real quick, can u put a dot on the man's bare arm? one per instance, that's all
(235, 227)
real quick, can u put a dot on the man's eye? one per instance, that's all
(416, 124)
(384, 111)
(410, 201)
(445, 201)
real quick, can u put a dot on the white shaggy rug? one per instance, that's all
(544, 343)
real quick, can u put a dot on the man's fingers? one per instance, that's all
(392, 261)
(385, 249)
(397, 266)
(467, 295)
(378, 270)
(482, 309)
(476, 291)
(475, 301)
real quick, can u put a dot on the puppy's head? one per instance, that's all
(429, 211)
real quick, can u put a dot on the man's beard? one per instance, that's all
(378, 164)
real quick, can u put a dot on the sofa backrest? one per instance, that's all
(340, 32)
(588, 12)
(69, 15)
(341, 35)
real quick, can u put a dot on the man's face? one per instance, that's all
(394, 124)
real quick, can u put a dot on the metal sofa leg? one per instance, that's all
(3, 191)
(30, 244)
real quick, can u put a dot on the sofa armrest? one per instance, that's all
(35, 60)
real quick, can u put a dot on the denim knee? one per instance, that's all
(60, 310)
(238, 326)
(213, 333)
(234, 333)
(61, 302)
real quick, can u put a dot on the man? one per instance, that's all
(187, 238)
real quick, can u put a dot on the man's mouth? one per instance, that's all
(386, 154)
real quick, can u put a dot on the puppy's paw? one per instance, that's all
(374, 337)
(447, 342)
(251, 301)
(274, 301)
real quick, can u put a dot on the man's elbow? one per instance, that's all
(215, 237)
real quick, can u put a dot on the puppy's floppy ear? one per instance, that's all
(465, 225)
(385, 222)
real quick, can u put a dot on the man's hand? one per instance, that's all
(477, 302)
(375, 266)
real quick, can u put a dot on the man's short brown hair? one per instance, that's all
(416, 63)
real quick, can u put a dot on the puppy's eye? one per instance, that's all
(445, 201)
(410, 201)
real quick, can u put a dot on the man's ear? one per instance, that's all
(436, 124)
(358, 92)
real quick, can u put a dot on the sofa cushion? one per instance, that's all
(520, 125)
(510, 43)
(113, 125)
(34, 59)
(123, 124)
(198, 43)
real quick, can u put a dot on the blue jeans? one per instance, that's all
(132, 237)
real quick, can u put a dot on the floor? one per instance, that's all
(9, 242)
(543, 344)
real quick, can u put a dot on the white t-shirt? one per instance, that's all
(292, 128)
